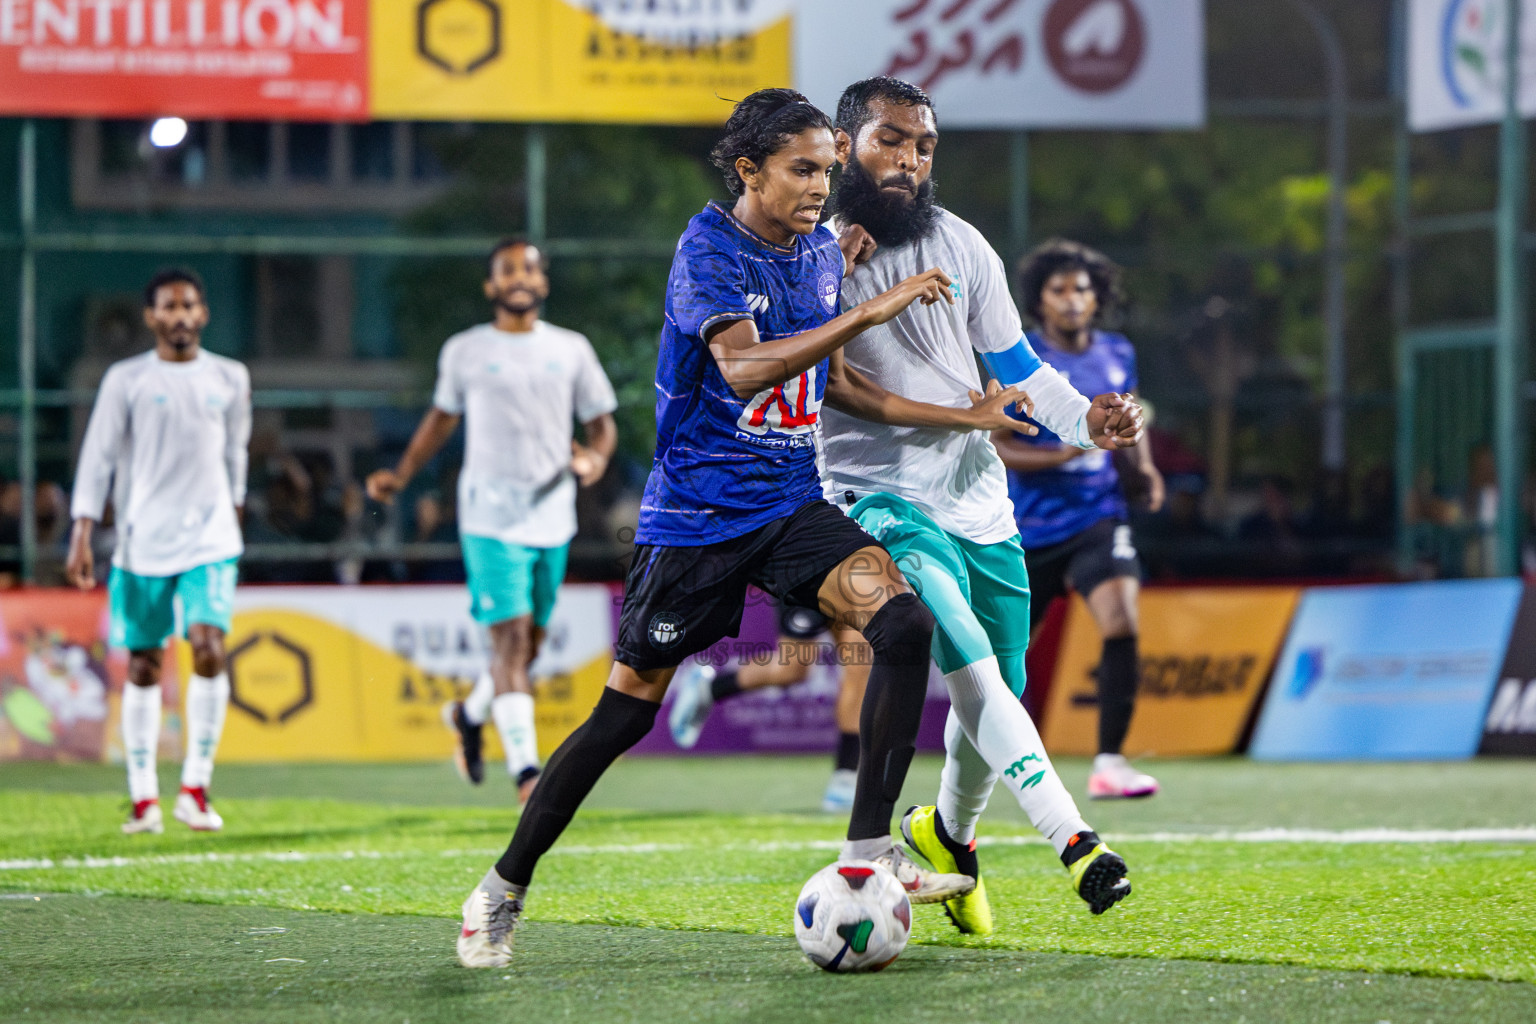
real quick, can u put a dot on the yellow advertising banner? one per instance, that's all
(361, 674)
(1205, 654)
(553, 60)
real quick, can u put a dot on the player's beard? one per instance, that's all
(181, 340)
(519, 301)
(892, 218)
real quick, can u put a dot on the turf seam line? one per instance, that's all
(1386, 836)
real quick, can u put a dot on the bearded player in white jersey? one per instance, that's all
(938, 500)
(167, 443)
(520, 382)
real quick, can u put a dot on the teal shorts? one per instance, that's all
(142, 609)
(508, 581)
(978, 593)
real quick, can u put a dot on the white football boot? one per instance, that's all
(691, 701)
(146, 817)
(1115, 778)
(924, 886)
(490, 924)
(194, 810)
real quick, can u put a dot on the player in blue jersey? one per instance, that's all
(1068, 503)
(735, 498)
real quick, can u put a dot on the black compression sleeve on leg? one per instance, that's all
(617, 723)
(1117, 678)
(901, 634)
(847, 758)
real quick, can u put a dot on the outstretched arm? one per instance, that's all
(852, 392)
(431, 434)
(750, 365)
(1031, 458)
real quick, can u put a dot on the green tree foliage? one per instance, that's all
(613, 183)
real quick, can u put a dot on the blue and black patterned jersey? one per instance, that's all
(1055, 504)
(726, 465)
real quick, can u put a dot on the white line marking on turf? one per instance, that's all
(1521, 834)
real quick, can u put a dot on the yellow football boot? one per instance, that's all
(971, 913)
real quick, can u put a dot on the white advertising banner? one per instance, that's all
(1016, 63)
(1456, 65)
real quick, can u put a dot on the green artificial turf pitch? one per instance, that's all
(333, 891)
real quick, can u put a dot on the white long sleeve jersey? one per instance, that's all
(168, 442)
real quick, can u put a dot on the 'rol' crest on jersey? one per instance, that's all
(826, 287)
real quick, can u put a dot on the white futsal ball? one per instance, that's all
(853, 916)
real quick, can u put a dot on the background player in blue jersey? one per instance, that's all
(736, 498)
(1071, 514)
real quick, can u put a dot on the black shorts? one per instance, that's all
(680, 600)
(1101, 552)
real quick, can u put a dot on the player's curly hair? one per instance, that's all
(759, 126)
(172, 275)
(1058, 254)
(853, 107)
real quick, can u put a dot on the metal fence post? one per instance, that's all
(26, 349)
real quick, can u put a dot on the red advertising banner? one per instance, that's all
(261, 59)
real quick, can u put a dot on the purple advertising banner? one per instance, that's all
(799, 719)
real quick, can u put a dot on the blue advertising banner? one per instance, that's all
(1400, 671)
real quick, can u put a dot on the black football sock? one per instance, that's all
(1117, 677)
(964, 853)
(617, 723)
(847, 756)
(724, 685)
(1079, 846)
(901, 636)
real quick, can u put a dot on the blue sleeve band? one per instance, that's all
(1014, 365)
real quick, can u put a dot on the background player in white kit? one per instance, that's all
(938, 499)
(167, 438)
(520, 382)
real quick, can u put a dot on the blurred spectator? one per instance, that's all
(1271, 536)
(1328, 517)
(435, 524)
(1481, 511)
(10, 533)
(1378, 505)
(1177, 543)
(285, 515)
(51, 515)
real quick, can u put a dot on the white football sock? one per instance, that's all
(207, 701)
(477, 704)
(865, 849)
(965, 783)
(141, 739)
(514, 723)
(1109, 762)
(1002, 731)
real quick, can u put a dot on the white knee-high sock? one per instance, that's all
(207, 701)
(141, 739)
(965, 784)
(514, 723)
(477, 705)
(999, 727)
